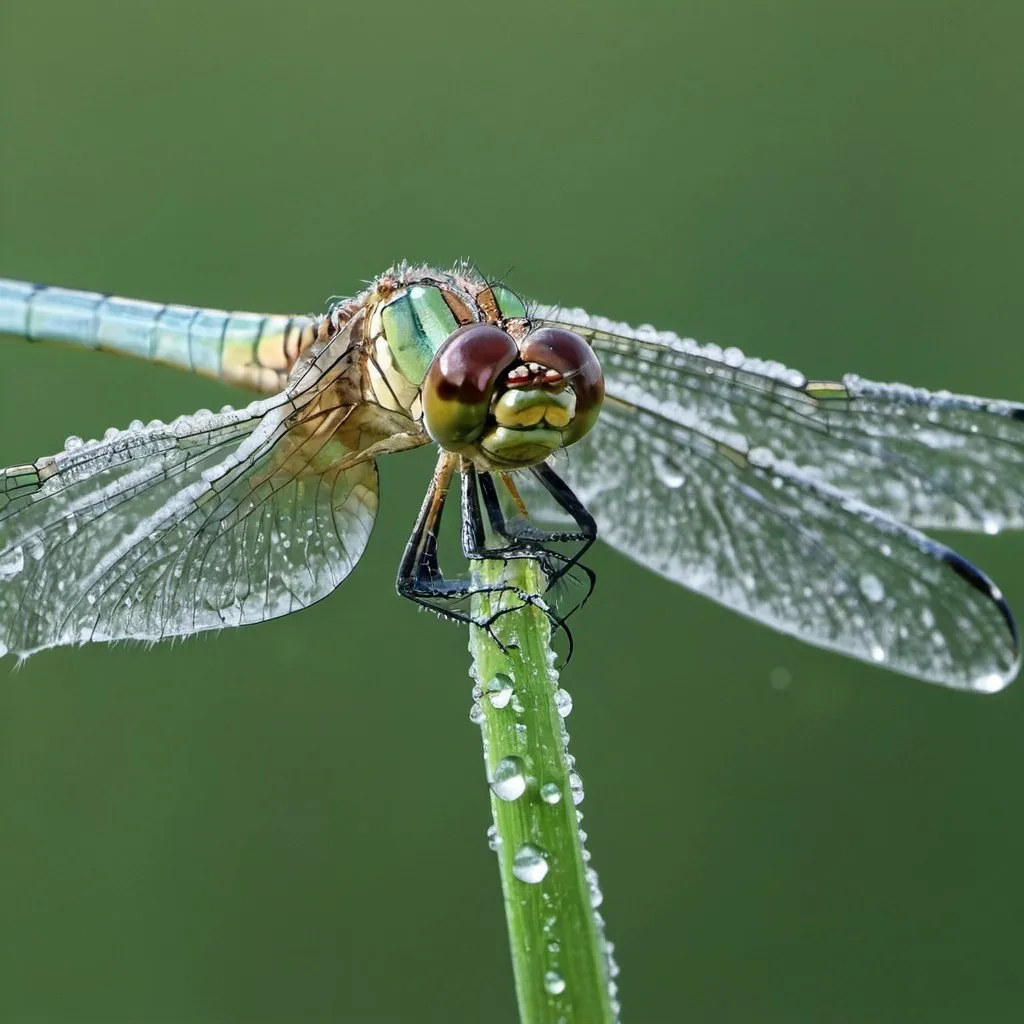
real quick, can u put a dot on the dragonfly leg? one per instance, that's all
(524, 539)
(419, 575)
(565, 576)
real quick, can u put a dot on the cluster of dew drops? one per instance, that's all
(511, 781)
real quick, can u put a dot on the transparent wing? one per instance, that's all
(930, 459)
(790, 551)
(213, 520)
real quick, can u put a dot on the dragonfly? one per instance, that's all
(799, 503)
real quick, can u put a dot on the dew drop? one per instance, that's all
(667, 471)
(554, 983)
(110, 433)
(73, 442)
(12, 562)
(576, 788)
(3, 648)
(871, 587)
(493, 839)
(877, 653)
(509, 782)
(500, 690)
(71, 523)
(135, 425)
(476, 713)
(563, 703)
(762, 458)
(991, 526)
(550, 793)
(529, 864)
(993, 682)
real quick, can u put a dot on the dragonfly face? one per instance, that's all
(461, 357)
(798, 503)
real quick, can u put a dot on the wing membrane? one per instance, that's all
(790, 551)
(213, 520)
(930, 459)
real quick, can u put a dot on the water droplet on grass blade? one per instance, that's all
(529, 864)
(500, 690)
(550, 793)
(554, 983)
(576, 788)
(563, 703)
(509, 781)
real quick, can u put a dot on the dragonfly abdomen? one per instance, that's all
(248, 349)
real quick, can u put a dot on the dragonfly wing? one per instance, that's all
(930, 459)
(790, 551)
(213, 520)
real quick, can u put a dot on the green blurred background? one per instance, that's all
(286, 823)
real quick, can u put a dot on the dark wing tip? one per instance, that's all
(977, 579)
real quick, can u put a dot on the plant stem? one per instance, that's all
(562, 964)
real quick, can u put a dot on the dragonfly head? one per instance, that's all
(509, 404)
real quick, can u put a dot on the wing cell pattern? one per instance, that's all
(783, 498)
(213, 520)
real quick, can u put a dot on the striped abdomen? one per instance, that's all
(247, 349)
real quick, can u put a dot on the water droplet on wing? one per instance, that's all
(871, 587)
(993, 682)
(11, 563)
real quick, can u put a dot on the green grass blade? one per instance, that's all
(562, 963)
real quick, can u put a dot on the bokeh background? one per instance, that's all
(286, 823)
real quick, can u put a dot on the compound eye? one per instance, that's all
(568, 353)
(460, 381)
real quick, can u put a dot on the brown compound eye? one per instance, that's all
(575, 360)
(460, 381)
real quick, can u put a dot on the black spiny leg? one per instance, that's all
(524, 540)
(419, 575)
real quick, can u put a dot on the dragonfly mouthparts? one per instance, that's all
(530, 374)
